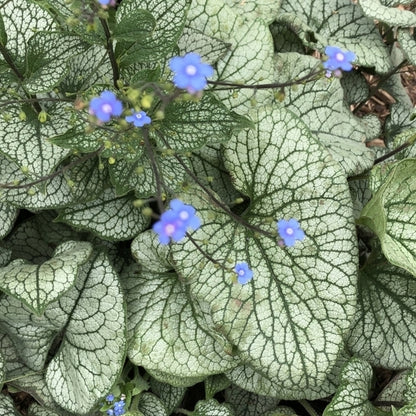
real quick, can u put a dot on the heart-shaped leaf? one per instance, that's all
(38, 285)
(391, 215)
(292, 314)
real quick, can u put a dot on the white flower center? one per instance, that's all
(241, 272)
(138, 115)
(183, 215)
(169, 229)
(190, 69)
(107, 108)
(339, 57)
(289, 231)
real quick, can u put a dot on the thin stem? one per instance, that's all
(22, 376)
(388, 403)
(155, 168)
(231, 85)
(52, 175)
(213, 198)
(394, 151)
(110, 51)
(308, 408)
(184, 411)
(9, 61)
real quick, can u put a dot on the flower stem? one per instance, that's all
(110, 51)
(308, 408)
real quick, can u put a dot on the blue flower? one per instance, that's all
(119, 408)
(105, 106)
(290, 231)
(244, 273)
(110, 397)
(173, 223)
(338, 59)
(139, 118)
(189, 72)
(110, 412)
(107, 2)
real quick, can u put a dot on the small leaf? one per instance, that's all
(170, 18)
(351, 398)
(391, 215)
(150, 405)
(46, 59)
(212, 408)
(190, 125)
(137, 25)
(170, 396)
(108, 216)
(246, 403)
(3, 34)
(38, 285)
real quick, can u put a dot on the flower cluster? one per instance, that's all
(338, 60)
(190, 73)
(290, 231)
(174, 223)
(118, 408)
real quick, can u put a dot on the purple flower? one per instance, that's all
(244, 273)
(105, 106)
(290, 231)
(173, 223)
(338, 59)
(189, 72)
(139, 118)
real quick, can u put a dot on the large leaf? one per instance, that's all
(391, 215)
(339, 23)
(384, 329)
(91, 323)
(170, 18)
(190, 125)
(321, 106)
(250, 59)
(150, 405)
(108, 216)
(257, 9)
(351, 398)
(24, 141)
(38, 285)
(167, 332)
(293, 313)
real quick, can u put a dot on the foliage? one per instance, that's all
(189, 193)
